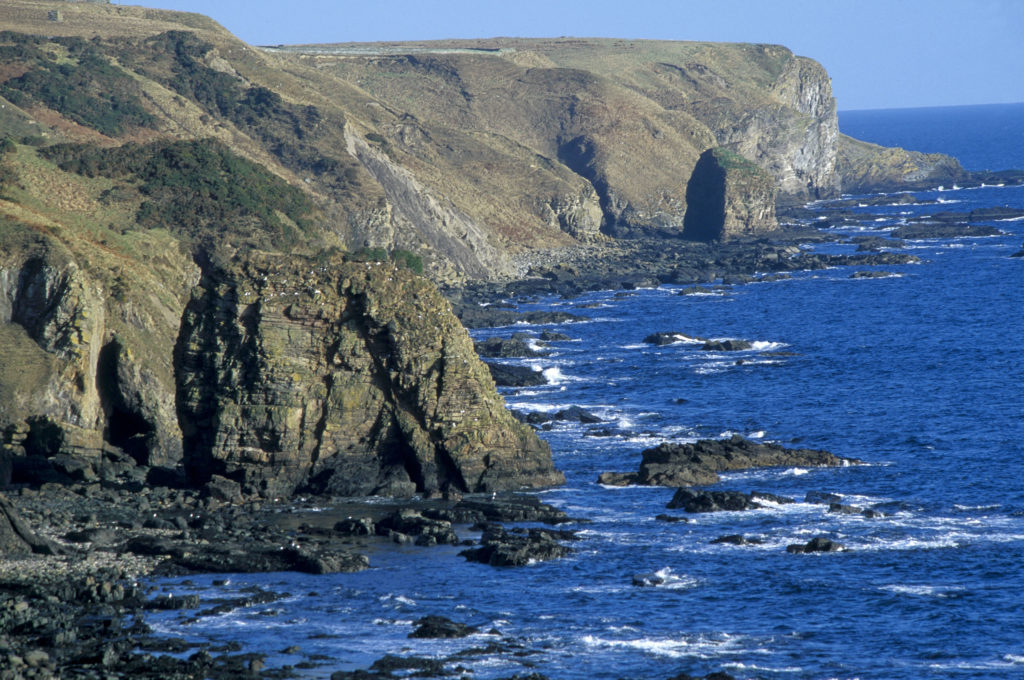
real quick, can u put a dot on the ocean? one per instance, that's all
(917, 374)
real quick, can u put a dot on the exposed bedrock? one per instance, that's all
(273, 374)
(728, 196)
(85, 379)
(352, 379)
(699, 463)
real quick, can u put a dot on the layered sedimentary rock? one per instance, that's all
(728, 196)
(348, 379)
(629, 117)
(86, 378)
(868, 168)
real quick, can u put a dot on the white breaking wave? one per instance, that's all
(692, 646)
(922, 590)
(767, 345)
(664, 578)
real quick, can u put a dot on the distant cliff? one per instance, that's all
(463, 152)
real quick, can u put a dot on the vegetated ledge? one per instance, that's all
(698, 464)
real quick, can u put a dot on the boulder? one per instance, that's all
(577, 415)
(816, 544)
(669, 338)
(423, 530)
(440, 627)
(505, 348)
(727, 346)
(507, 375)
(17, 538)
(502, 548)
(823, 497)
(735, 539)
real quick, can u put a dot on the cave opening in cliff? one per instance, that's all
(126, 427)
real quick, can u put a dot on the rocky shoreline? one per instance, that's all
(77, 553)
(76, 559)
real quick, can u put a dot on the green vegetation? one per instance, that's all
(198, 188)
(284, 128)
(730, 161)
(407, 259)
(8, 176)
(402, 258)
(84, 87)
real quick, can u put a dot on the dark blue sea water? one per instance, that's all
(985, 137)
(917, 374)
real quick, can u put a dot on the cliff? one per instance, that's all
(281, 374)
(207, 250)
(466, 153)
(729, 197)
(868, 168)
(341, 378)
(158, 321)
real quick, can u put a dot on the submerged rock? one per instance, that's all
(727, 346)
(669, 338)
(942, 229)
(505, 348)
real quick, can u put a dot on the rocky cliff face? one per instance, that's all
(728, 197)
(280, 373)
(466, 153)
(349, 379)
(869, 168)
(629, 118)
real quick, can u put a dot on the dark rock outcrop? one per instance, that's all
(699, 463)
(516, 548)
(668, 338)
(727, 346)
(727, 197)
(440, 627)
(869, 168)
(735, 539)
(505, 348)
(422, 530)
(508, 375)
(691, 500)
(815, 545)
(17, 538)
(942, 229)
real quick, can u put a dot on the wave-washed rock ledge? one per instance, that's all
(646, 263)
(698, 464)
(72, 556)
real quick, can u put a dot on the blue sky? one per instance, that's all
(880, 53)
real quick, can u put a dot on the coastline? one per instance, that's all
(65, 593)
